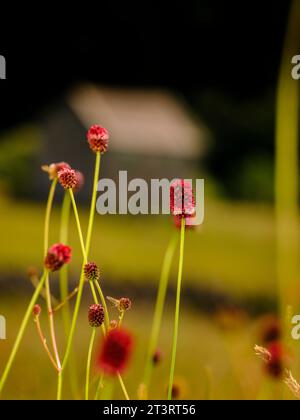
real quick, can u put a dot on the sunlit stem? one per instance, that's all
(159, 307)
(21, 332)
(177, 310)
(88, 366)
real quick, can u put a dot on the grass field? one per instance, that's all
(227, 355)
(233, 251)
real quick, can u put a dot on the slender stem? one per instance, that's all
(44, 342)
(99, 387)
(48, 214)
(21, 332)
(103, 301)
(71, 333)
(47, 285)
(93, 203)
(177, 309)
(94, 292)
(65, 302)
(88, 365)
(63, 272)
(123, 387)
(64, 289)
(35, 281)
(159, 307)
(121, 319)
(51, 322)
(84, 253)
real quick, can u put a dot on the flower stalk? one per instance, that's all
(177, 309)
(159, 308)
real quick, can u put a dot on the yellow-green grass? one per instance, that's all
(203, 346)
(233, 251)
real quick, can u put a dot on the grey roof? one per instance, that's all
(146, 122)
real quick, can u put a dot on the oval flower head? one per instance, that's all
(55, 168)
(115, 351)
(96, 315)
(182, 200)
(67, 178)
(57, 256)
(276, 365)
(97, 138)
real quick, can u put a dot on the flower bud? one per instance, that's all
(67, 178)
(37, 310)
(57, 256)
(97, 138)
(96, 315)
(91, 271)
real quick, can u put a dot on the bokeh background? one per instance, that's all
(192, 90)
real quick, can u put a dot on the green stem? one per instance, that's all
(99, 387)
(88, 365)
(71, 333)
(93, 203)
(83, 249)
(21, 332)
(287, 170)
(48, 214)
(177, 309)
(103, 301)
(85, 252)
(159, 307)
(64, 289)
(123, 387)
(47, 285)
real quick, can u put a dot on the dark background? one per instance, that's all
(223, 57)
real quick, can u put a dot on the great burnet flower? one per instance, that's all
(37, 310)
(91, 271)
(96, 315)
(97, 138)
(182, 200)
(156, 358)
(270, 329)
(54, 168)
(115, 351)
(67, 178)
(275, 367)
(122, 304)
(57, 256)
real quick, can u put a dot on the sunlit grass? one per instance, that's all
(234, 251)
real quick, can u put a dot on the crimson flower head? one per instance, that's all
(96, 315)
(156, 358)
(271, 329)
(91, 271)
(182, 200)
(55, 168)
(125, 304)
(67, 178)
(97, 138)
(37, 310)
(276, 365)
(57, 256)
(115, 351)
